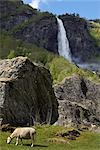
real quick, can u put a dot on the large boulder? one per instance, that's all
(79, 101)
(26, 93)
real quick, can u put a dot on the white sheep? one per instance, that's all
(22, 133)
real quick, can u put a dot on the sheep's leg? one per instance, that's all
(32, 139)
(32, 142)
(21, 141)
(17, 141)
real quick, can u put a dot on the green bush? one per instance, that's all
(12, 54)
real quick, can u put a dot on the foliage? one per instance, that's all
(12, 54)
(7, 43)
(20, 51)
(96, 20)
(11, 47)
(87, 140)
(58, 66)
(95, 32)
(61, 68)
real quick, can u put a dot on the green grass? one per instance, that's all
(95, 32)
(61, 68)
(87, 141)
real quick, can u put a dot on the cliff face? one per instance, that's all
(28, 24)
(79, 101)
(26, 94)
(42, 32)
(81, 43)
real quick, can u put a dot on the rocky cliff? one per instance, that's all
(28, 24)
(26, 93)
(79, 101)
(81, 44)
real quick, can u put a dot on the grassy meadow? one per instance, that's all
(44, 140)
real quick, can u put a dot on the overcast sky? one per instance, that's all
(89, 9)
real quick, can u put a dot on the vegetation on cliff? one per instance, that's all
(58, 66)
(24, 19)
(11, 47)
(95, 32)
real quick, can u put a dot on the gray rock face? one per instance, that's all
(42, 32)
(26, 93)
(28, 24)
(81, 43)
(79, 101)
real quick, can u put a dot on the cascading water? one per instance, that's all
(64, 50)
(63, 43)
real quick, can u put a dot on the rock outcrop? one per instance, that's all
(26, 93)
(79, 101)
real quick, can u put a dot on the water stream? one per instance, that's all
(63, 43)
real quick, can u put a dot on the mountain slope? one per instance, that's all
(28, 24)
(41, 29)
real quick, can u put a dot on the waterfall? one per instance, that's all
(63, 43)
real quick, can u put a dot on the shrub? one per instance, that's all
(12, 54)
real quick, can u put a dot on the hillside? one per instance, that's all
(40, 28)
(28, 24)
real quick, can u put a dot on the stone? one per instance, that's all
(71, 134)
(26, 93)
(79, 102)
(7, 127)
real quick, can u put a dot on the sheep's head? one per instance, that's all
(8, 140)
